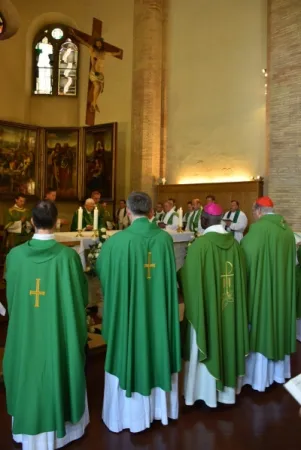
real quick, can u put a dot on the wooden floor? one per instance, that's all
(257, 422)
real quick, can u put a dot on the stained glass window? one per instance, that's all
(55, 62)
(1, 24)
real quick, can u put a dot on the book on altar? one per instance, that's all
(293, 386)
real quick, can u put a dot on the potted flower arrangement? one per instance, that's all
(94, 286)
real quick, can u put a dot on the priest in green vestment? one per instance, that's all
(270, 252)
(194, 219)
(44, 355)
(298, 281)
(215, 327)
(88, 217)
(137, 271)
(17, 223)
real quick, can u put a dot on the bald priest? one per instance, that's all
(45, 348)
(140, 323)
(215, 327)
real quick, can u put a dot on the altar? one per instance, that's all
(180, 240)
(82, 245)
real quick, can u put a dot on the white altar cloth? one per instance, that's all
(180, 240)
(84, 242)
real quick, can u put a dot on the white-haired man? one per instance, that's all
(270, 252)
(170, 219)
(87, 216)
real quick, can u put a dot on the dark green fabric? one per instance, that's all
(88, 219)
(270, 252)
(218, 315)
(195, 220)
(45, 349)
(15, 215)
(298, 283)
(170, 219)
(140, 315)
(235, 215)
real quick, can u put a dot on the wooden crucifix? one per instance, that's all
(98, 50)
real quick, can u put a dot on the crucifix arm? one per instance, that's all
(79, 38)
(119, 53)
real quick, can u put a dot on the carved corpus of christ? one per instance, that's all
(98, 49)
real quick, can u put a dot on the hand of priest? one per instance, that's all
(161, 225)
(89, 228)
(64, 221)
(228, 223)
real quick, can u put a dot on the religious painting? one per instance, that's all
(18, 160)
(100, 155)
(62, 150)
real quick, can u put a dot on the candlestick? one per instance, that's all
(95, 234)
(80, 219)
(95, 219)
(180, 214)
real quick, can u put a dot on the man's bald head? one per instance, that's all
(89, 204)
(168, 205)
(196, 203)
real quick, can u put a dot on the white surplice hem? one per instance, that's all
(262, 372)
(49, 441)
(199, 384)
(137, 412)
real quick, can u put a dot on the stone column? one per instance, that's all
(147, 141)
(284, 108)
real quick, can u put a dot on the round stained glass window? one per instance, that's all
(57, 33)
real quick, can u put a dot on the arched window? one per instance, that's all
(55, 62)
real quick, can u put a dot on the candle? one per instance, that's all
(80, 218)
(180, 213)
(95, 221)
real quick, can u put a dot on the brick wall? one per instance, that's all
(284, 108)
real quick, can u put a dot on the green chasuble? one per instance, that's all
(15, 214)
(88, 219)
(270, 252)
(213, 280)
(44, 355)
(137, 271)
(298, 283)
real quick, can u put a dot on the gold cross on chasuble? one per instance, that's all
(227, 278)
(37, 293)
(149, 265)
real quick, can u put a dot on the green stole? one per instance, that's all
(194, 221)
(170, 220)
(235, 218)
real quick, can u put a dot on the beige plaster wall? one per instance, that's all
(215, 92)
(17, 103)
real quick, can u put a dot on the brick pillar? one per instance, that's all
(148, 71)
(284, 109)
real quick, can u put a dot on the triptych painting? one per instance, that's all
(74, 161)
